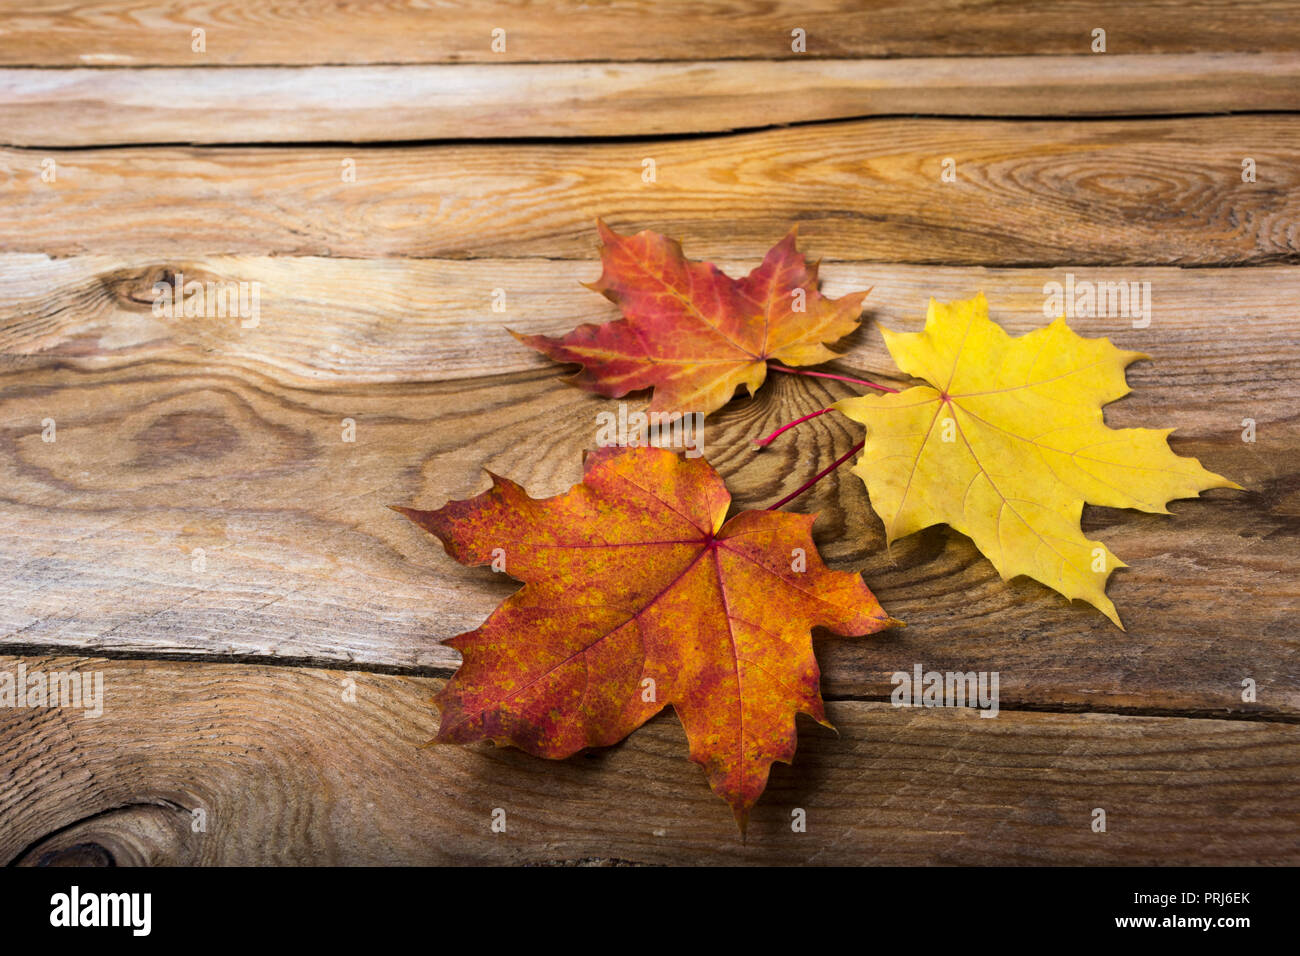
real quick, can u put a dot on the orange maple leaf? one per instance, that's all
(637, 595)
(692, 332)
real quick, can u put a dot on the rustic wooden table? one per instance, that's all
(184, 516)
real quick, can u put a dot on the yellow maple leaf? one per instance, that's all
(1007, 442)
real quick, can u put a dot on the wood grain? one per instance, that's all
(326, 321)
(288, 771)
(247, 32)
(173, 436)
(1155, 192)
(201, 532)
(97, 107)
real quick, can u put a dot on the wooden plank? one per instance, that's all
(95, 107)
(247, 32)
(288, 771)
(173, 436)
(356, 321)
(1153, 192)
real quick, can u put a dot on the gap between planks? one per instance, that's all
(445, 671)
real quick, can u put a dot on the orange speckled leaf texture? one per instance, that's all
(639, 593)
(691, 332)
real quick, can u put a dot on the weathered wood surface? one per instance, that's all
(1106, 192)
(286, 769)
(140, 33)
(183, 437)
(98, 107)
(174, 435)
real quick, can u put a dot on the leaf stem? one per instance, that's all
(838, 378)
(818, 477)
(767, 440)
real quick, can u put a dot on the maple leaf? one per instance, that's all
(693, 333)
(1007, 442)
(637, 595)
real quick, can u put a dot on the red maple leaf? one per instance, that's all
(638, 594)
(693, 333)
